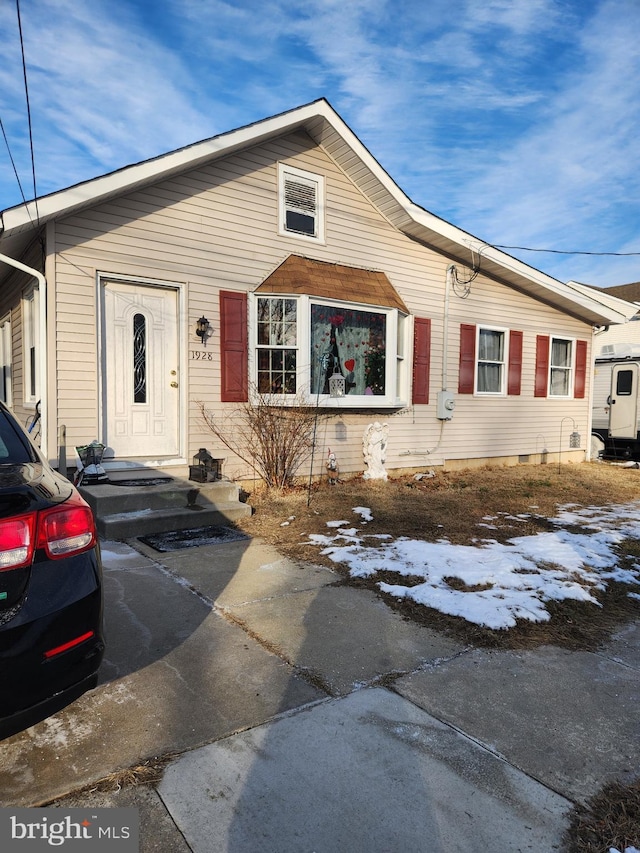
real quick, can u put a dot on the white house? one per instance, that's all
(305, 259)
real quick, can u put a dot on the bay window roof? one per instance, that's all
(299, 275)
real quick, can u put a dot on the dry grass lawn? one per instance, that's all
(610, 820)
(452, 506)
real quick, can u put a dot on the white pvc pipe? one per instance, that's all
(42, 349)
(445, 325)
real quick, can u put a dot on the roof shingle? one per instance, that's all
(332, 281)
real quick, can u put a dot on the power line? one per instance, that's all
(561, 252)
(26, 92)
(15, 171)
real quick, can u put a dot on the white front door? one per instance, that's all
(141, 387)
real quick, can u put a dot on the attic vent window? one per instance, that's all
(301, 203)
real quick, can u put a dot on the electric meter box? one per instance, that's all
(445, 405)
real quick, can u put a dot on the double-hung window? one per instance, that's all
(561, 368)
(490, 371)
(301, 196)
(277, 345)
(301, 342)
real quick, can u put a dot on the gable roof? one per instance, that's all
(332, 281)
(630, 292)
(327, 129)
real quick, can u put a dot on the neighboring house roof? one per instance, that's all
(318, 278)
(630, 292)
(326, 128)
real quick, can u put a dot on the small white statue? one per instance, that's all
(374, 450)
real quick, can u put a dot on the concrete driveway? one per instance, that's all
(301, 714)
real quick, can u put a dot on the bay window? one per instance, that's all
(350, 342)
(300, 342)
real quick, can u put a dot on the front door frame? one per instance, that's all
(102, 278)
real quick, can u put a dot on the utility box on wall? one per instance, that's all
(445, 405)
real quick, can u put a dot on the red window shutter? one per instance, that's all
(542, 366)
(466, 376)
(421, 359)
(233, 347)
(514, 375)
(580, 382)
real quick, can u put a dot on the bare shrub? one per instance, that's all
(275, 439)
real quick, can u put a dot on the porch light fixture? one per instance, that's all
(202, 329)
(336, 385)
(204, 468)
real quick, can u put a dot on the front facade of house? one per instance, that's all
(306, 261)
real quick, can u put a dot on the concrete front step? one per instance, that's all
(127, 525)
(107, 498)
(124, 511)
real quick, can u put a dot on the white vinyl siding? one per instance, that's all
(217, 228)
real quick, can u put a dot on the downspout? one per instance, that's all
(592, 380)
(42, 349)
(445, 326)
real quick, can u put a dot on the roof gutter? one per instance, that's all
(42, 349)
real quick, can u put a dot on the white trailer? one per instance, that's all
(616, 408)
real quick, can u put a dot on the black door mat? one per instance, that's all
(147, 481)
(175, 540)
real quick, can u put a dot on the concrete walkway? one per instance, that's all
(303, 715)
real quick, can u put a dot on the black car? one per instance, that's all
(51, 638)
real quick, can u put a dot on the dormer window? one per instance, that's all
(301, 203)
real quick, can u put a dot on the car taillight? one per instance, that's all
(66, 529)
(62, 531)
(17, 540)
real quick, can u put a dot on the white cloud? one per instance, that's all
(102, 92)
(514, 119)
(571, 182)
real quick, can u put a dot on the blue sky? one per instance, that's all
(516, 120)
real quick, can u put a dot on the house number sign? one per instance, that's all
(200, 355)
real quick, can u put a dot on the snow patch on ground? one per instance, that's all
(493, 583)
